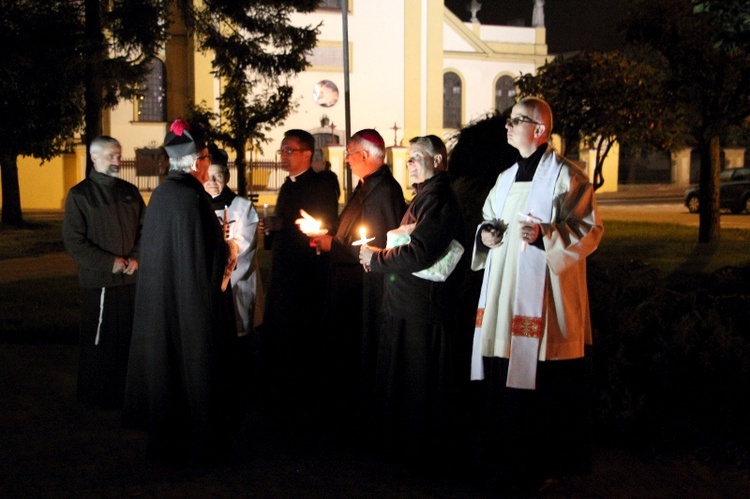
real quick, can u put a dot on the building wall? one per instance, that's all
(399, 50)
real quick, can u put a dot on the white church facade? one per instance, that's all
(414, 68)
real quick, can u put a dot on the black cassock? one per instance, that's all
(292, 348)
(179, 384)
(415, 386)
(354, 299)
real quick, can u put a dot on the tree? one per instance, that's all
(709, 82)
(603, 98)
(41, 90)
(256, 51)
(731, 17)
(120, 37)
(63, 63)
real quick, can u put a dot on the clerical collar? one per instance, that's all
(224, 198)
(293, 178)
(527, 166)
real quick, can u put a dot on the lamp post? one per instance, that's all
(347, 103)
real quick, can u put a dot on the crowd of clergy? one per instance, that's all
(357, 334)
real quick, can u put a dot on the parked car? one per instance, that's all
(734, 192)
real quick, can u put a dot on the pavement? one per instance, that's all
(52, 446)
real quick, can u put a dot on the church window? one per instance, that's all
(505, 93)
(151, 103)
(328, 56)
(451, 100)
(332, 5)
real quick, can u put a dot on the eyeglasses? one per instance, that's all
(353, 152)
(514, 122)
(207, 156)
(289, 150)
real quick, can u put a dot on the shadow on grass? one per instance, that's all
(699, 260)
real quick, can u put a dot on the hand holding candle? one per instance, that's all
(310, 227)
(365, 256)
(265, 216)
(363, 239)
(529, 228)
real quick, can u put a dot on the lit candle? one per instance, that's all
(265, 215)
(363, 239)
(310, 227)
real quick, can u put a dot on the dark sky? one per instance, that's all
(571, 24)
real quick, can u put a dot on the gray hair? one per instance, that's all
(372, 149)
(434, 146)
(102, 142)
(183, 163)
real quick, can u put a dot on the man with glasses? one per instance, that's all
(532, 324)
(179, 375)
(355, 298)
(294, 302)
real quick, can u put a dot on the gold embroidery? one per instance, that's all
(527, 326)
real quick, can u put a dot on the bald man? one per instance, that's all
(540, 224)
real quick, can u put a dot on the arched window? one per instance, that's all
(451, 100)
(505, 93)
(152, 101)
(330, 4)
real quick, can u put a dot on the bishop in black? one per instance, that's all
(178, 384)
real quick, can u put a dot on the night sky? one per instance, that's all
(571, 24)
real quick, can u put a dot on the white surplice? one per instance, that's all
(573, 233)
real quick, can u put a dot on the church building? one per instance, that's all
(414, 68)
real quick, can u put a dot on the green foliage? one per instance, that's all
(672, 359)
(605, 97)
(135, 31)
(732, 18)
(41, 90)
(256, 51)
(711, 84)
(61, 63)
(480, 151)
(707, 85)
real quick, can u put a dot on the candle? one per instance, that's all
(226, 222)
(265, 215)
(526, 218)
(310, 227)
(363, 239)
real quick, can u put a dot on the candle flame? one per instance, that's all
(307, 224)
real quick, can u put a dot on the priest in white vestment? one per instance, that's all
(540, 222)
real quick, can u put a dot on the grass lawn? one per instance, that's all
(35, 238)
(48, 309)
(671, 247)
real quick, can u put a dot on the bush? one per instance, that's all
(672, 359)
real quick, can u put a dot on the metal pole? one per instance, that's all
(347, 103)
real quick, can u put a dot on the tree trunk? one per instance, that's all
(11, 192)
(239, 162)
(709, 217)
(600, 157)
(94, 92)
